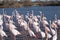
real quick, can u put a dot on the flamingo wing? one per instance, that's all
(43, 34)
(12, 26)
(31, 33)
(54, 37)
(15, 32)
(3, 33)
(49, 36)
(53, 31)
(58, 22)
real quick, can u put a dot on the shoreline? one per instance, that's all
(22, 4)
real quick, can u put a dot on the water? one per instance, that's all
(49, 11)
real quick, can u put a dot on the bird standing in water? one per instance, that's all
(2, 33)
(45, 23)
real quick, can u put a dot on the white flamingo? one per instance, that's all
(36, 27)
(55, 37)
(35, 24)
(26, 27)
(42, 17)
(54, 32)
(2, 33)
(1, 19)
(24, 24)
(47, 30)
(44, 22)
(42, 33)
(12, 27)
(55, 27)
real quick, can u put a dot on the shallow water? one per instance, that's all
(49, 11)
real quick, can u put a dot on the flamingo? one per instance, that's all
(55, 37)
(55, 27)
(47, 30)
(1, 20)
(57, 21)
(2, 33)
(43, 18)
(54, 32)
(42, 33)
(18, 17)
(36, 27)
(44, 22)
(25, 25)
(35, 24)
(12, 27)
